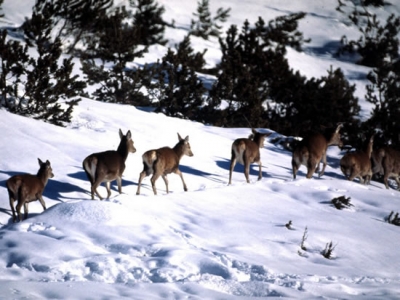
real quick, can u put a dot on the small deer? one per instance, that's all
(312, 149)
(358, 163)
(109, 165)
(163, 161)
(27, 188)
(386, 161)
(247, 151)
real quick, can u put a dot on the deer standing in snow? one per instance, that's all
(312, 149)
(27, 188)
(163, 161)
(386, 161)
(358, 163)
(109, 165)
(247, 151)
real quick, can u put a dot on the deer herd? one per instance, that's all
(109, 165)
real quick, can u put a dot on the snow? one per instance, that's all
(214, 241)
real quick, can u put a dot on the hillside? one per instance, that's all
(214, 241)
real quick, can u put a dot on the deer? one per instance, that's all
(247, 151)
(163, 161)
(358, 163)
(26, 188)
(312, 149)
(109, 165)
(386, 161)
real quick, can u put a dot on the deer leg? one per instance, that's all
(119, 183)
(183, 181)
(153, 182)
(323, 165)
(259, 172)
(141, 176)
(41, 202)
(108, 187)
(246, 163)
(295, 168)
(311, 164)
(18, 208)
(233, 163)
(26, 210)
(94, 188)
(12, 200)
(386, 179)
(164, 177)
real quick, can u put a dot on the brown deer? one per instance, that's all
(27, 188)
(312, 149)
(386, 161)
(163, 161)
(358, 163)
(247, 151)
(109, 165)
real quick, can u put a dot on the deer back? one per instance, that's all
(27, 186)
(111, 163)
(166, 160)
(249, 147)
(391, 160)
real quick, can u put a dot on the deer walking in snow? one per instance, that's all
(27, 188)
(312, 149)
(358, 163)
(247, 151)
(163, 161)
(386, 161)
(109, 165)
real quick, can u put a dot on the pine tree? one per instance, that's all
(1, 3)
(378, 43)
(116, 44)
(50, 90)
(13, 60)
(206, 25)
(149, 22)
(178, 90)
(383, 91)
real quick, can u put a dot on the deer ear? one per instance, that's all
(120, 134)
(40, 162)
(48, 162)
(129, 135)
(179, 137)
(187, 138)
(253, 131)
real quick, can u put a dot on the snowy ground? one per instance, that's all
(214, 241)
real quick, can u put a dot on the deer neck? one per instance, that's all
(369, 148)
(123, 149)
(43, 176)
(178, 149)
(258, 139)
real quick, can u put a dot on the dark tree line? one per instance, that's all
(254, 84)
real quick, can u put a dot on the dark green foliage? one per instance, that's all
(116, 43)
(283, 30)
(383, 91)
(149, 22)
(178, 89)
(206, 25)
(341, 202)
(13, 60)
(324, 101)
(393, 218)
(73, 21)
(378, 43)
(376, 3)
(49, 87)
(1, 3)
(260, 89)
